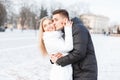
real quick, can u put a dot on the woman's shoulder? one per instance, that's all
(52, 34)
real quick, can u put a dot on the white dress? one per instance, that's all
(54, 43)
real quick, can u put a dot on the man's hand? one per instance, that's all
(56, 56)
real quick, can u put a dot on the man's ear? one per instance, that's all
(65, 20)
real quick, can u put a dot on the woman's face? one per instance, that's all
(48, 25)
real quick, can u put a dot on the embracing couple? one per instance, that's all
(69, 46)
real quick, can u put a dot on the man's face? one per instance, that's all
(58, 21)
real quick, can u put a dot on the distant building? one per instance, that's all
(95, 23)
(115, 29)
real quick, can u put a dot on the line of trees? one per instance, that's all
(25, 17)
(28, 14)
(30, 18)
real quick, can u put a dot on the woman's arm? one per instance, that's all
(68, 41)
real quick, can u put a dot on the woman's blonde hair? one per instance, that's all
(41, 42)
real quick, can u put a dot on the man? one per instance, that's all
(82, 57)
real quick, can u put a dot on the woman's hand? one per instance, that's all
(55, 57)
(68, 24)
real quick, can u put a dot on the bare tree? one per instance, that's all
(22, 17)
(11, 16)
(3, 14)
(27, 17)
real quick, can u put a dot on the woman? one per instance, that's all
(51, 42)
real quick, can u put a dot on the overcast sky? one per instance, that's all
(107, 8)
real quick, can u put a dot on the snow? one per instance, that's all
(107, 53)
(20, 58)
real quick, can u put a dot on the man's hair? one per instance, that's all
(62, 12)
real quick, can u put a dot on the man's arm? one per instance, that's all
(80, 41)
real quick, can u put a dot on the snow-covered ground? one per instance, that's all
(20, 58)
(108, 56)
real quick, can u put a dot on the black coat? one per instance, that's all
(82, 57)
